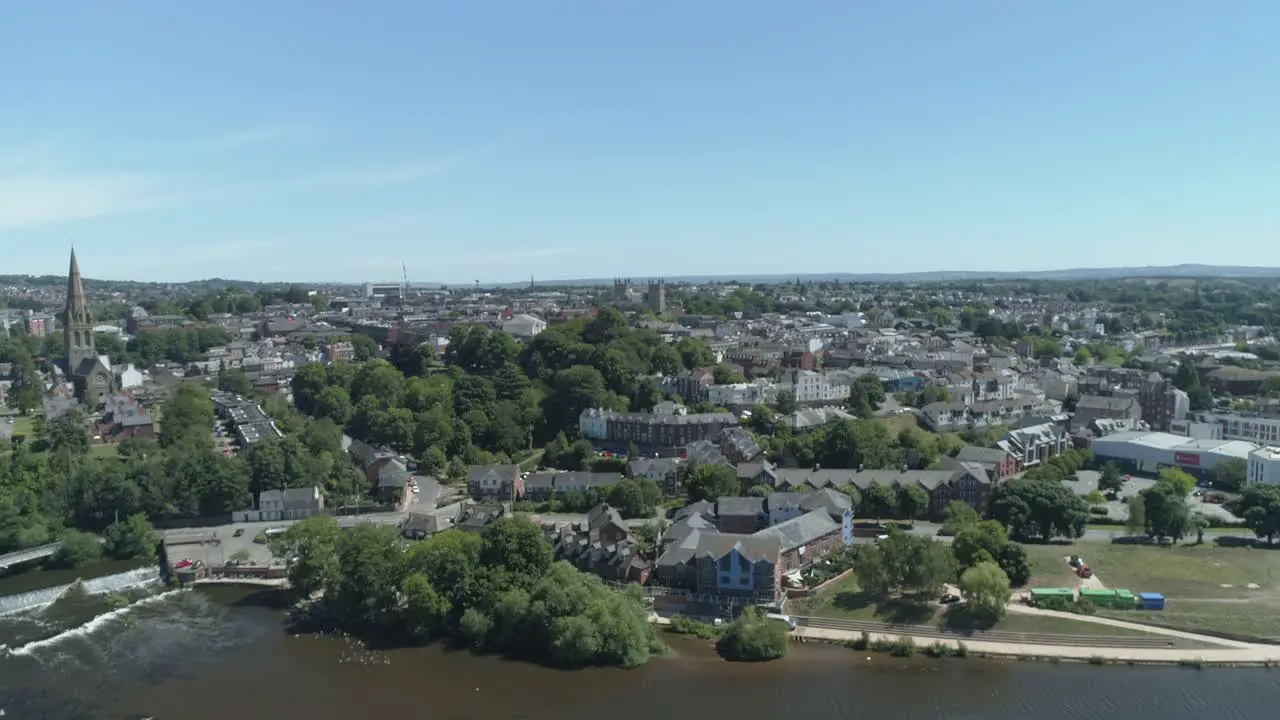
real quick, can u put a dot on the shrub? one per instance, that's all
(862, 643)
(962, 650)
(752, 637)
(77, 549)
(937, 649)
(681, 625)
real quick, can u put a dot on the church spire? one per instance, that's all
(77, 311)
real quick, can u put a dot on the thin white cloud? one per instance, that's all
(267, 135)
(373, 178)
(32, 199)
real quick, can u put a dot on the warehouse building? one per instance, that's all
(1148, 452)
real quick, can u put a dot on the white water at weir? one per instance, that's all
(10, 604)
(93, 624)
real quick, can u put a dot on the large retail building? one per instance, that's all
(1148, 452)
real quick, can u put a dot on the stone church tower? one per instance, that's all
(90, 373)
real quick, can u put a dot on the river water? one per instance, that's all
(223, 653)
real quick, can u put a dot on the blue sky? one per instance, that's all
(491, 141)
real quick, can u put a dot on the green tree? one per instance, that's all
(958, 514)
(333, 403)
(752, 637)
(1259, 506)
(1230, 475)
(77, 550)
(635, 498)
(709, 482)
(986, 592)
(1180, 481)
(1167, 515)
(786, 402)
(66, 433)
(187, 419)
(131, 538)
(1034, 507)
(1110, 480)
(311, 547)
(878, 501)
(912, 501)
(425, 610)
(1136, 521)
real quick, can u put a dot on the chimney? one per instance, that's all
(816, 467)
(861, 467)
(904, 467)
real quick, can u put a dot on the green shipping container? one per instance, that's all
(1039, 594)
(1101, 598)
(1126, 600)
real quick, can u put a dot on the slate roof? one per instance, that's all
(739, 506)
(982, 455)
(715, 545)
(833, 502)
(802, 530)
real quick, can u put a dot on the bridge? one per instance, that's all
(29, 555)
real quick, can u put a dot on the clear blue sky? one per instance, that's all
(492, 141)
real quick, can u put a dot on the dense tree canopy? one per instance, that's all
(497, 592)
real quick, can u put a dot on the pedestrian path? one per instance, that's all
(1250, 655)
(1024, 610)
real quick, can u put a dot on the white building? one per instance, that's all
(1264, 466)
(1232, 426)
(524, 326)
(760, 391)
(807, 386)
(128, 376)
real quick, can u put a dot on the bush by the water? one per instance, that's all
(682, 625)
(753, 637)
(497, 592)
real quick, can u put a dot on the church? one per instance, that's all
(88, 371)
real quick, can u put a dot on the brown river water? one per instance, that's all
(223, 654)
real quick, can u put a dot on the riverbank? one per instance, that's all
(1238, 655)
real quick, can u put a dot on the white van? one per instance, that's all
(791, 623)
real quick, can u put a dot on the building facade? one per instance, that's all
(1264, 466)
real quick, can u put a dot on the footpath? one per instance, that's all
(1213, 651)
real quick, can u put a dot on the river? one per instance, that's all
(222, 653)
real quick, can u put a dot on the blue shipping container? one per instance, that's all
(1150, 601)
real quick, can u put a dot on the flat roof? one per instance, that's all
(1169, 441)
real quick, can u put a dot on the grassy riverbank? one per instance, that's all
(1208, 587)
(846, 601)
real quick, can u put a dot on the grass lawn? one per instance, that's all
(23, 425)
(103, 450)
(1258, 619)
(844, 600)
(1192, 578)
(1190, 572)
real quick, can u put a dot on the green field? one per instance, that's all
(844, 600)
(23, 426)
(1206, 587)
(1192, 572)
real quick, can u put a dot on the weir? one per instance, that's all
(10, 604)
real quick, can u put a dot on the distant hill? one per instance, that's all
(940, 276)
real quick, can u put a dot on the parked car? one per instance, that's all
(1084, 571)
(238, 532)
(949, 599)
